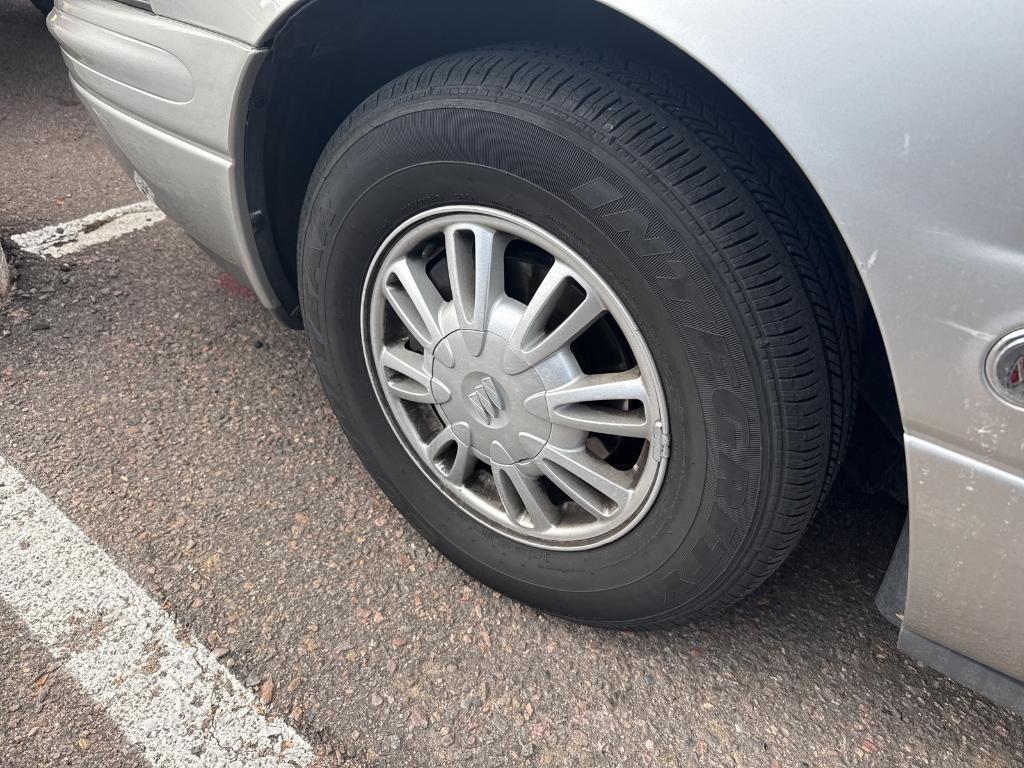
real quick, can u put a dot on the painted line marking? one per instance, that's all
(165, 691)
(58, 240)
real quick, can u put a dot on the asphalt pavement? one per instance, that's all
(184, 431)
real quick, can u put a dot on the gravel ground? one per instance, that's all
(184, 430)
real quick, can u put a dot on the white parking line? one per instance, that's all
(57, 240)
(166, 692)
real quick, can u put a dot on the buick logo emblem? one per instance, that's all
(485, 400)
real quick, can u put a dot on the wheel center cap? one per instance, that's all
(501, 416)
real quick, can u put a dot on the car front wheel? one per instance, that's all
(581, 332)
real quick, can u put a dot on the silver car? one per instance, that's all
(600, 310)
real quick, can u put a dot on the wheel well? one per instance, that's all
(327, 57)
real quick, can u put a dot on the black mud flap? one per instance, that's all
(891, 599)
(994, 685)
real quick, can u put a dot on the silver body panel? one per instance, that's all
(185, 150)
(906, 120)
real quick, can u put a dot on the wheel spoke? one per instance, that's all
(597, 486)
(462, 461)
(415, 300)
(531, 341)
(409, 379)
(520, 493)
(476, 270)
(584, 404)
(463, 465)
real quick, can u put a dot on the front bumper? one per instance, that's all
(165, 96)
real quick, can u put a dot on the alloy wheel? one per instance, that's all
(515, 377)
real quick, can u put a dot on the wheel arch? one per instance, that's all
(326, 57)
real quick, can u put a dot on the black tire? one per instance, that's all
(734, 281)
(45, 6)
